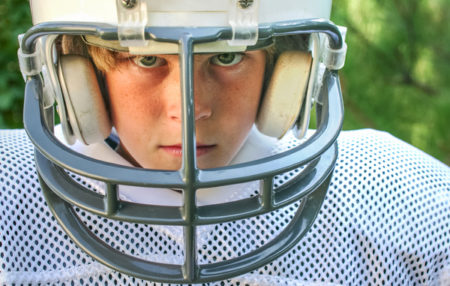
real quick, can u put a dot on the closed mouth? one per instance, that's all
(176, 150)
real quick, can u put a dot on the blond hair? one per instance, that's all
(103, 59)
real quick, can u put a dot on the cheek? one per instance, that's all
(131, 105)
(239, 104)
(244, 94)
(241, 87)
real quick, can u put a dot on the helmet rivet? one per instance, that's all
(244, 4)
(129, 3)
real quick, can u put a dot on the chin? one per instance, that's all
(164, 167)
(210, 165)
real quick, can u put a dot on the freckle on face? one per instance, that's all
(146, 109)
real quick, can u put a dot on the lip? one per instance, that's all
(175, 150)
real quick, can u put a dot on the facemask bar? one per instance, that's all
(313, 194)
(310, 185)
(64, 186)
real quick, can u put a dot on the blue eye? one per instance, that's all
(149, 61)
(226, 59)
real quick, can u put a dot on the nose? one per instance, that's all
(173, 94)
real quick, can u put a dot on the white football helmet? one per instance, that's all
(298, 80)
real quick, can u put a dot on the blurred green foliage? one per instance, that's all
(397, 71)
(14, 20)
(395, 78)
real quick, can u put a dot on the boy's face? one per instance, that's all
(145, 104)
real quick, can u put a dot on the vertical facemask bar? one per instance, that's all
(267, 193)
(189, 164)
(111, 202)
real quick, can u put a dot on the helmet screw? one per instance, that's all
(244, 4)
(129, 4)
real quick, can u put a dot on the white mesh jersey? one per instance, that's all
(385, 221)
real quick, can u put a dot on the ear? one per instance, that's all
(285, 93)
(83, 100)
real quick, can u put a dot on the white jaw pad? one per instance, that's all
(84, 102)
(285, 94)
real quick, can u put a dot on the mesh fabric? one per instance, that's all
(385, 221)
